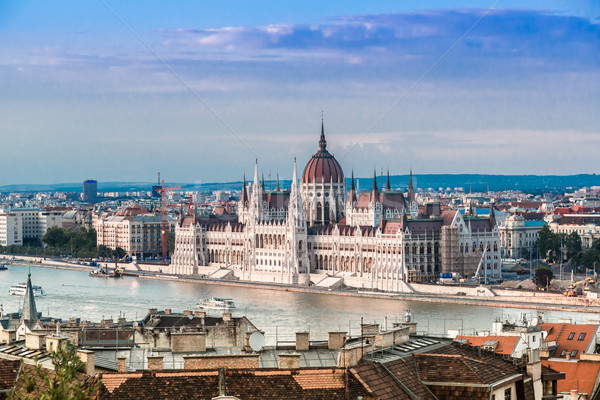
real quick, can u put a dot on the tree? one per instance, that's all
(170, 242)
(55, 237)
(66, 381)
(549, 243)
(543, 277)
(573, 244)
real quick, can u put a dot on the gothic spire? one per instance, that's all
(387, 185)
(29, 308)
(322, 142)
(244, 199)
(375, 191)
(277, 188)
(352, 189)
(411, 189)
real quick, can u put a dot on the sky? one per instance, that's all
(117, 91)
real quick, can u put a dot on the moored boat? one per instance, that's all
(20, 288)
(3, 267)
(216, 303)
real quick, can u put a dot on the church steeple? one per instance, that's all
(29, 308)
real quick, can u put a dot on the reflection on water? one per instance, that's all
(75, 294)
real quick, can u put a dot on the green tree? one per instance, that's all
(170, 242)
(66, 382)
(55, 237)
(573, 244)
(549, 243)
(543, 277)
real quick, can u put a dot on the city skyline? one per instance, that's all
(115, 92)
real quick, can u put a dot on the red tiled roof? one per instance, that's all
(560, 333)
(579, 375)
(263, 384)
(506, 344)
(8, 373)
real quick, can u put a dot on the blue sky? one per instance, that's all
(117, 91)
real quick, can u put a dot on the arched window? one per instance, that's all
(319, 213)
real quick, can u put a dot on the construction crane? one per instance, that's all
(163, 212)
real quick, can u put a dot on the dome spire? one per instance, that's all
(322, 142)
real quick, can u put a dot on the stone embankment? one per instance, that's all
(452, 294)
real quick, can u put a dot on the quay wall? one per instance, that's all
(466, 295)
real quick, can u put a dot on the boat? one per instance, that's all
(3, 267)
(105, 273)
(20, 288)
(216, 303)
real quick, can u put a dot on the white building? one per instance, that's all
(316, 233)
(11, 232)
(518, 237)
(33, 222)
(139, 233)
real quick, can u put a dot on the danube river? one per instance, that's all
(278, 313)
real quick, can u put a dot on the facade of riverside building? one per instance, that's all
(317, 230)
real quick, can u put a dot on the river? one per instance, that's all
(278, 313)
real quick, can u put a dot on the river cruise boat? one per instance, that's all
(216, 303)
(20, 288)
(3, 267)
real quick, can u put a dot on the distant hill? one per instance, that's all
(474, 182)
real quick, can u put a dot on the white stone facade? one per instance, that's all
(274, 241)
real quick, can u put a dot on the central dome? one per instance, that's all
(322, 167)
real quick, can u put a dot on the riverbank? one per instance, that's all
(425, 293)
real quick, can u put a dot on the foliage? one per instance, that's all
(591, 257)
(543, 277)
(573, 244)
(170, 242)
(549, 244)
(65, 382)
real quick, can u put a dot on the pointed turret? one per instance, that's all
(411, 189)
(375, 191)
(387, 184)
(295, 203)
(352, 197)
(29, 309)
(492, 215)
(244, 198)
(277, 188)
(262, 181)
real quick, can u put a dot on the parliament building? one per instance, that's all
(320, 233)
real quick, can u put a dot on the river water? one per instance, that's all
(278, 313)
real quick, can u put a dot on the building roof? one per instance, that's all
(500, 344)
(579, 375)
(322, 167)
(376, 379)
(571, 339)
(247, 384)
(8, 373)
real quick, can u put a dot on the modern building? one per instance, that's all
(27, 224)
(90, 191)
(11, 230)
(316, 232)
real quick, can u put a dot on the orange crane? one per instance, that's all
(163, 212)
